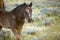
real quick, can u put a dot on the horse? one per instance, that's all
(14, 19)
(1, 4)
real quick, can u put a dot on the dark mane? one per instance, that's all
(18, 7)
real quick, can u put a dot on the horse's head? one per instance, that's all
(28, 12)
(23, 11)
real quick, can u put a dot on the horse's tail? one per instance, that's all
(2, 6)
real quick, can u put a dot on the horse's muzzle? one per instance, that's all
(30, 20)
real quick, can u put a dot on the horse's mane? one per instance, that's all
(18, 7)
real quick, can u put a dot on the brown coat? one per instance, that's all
(1, 4)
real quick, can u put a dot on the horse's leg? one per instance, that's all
(19, 31)
(17, 35)
(19, 26)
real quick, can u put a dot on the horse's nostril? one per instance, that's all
(29, 20)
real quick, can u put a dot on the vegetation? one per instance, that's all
(46, 25)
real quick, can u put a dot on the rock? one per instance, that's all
(6, 34)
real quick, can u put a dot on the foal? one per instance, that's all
(15, 18)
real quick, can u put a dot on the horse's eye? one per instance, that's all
(26, 13)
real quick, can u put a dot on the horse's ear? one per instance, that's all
(24, 4)
(30, 4)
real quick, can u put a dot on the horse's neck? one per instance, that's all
(18, 11)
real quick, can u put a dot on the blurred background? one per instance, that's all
(46, 16)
